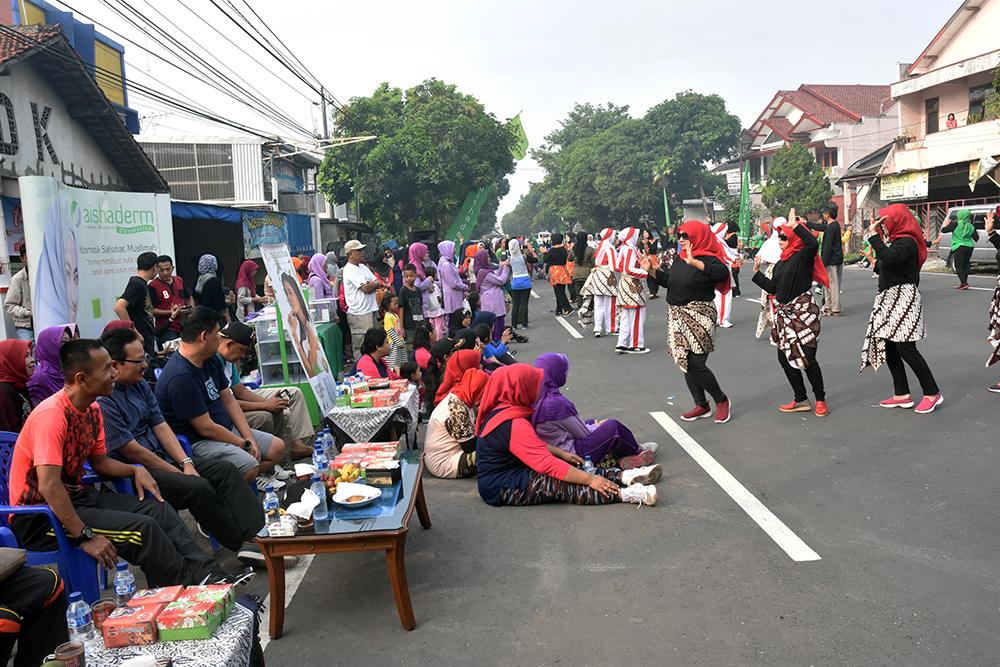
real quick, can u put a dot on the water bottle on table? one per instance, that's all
(320, 461)
(321, 511)
(80, 621)
(124, 584)
(588, 465)
(271, 512)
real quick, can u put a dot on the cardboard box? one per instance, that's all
(155, 596)
(402, 385)
(385, 398)
(378, 384)
(221, 594)
(132, 625)
(189, 619)
(361, 400)
(382, 477)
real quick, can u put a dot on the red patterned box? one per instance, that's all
(132, 626)
(189, 619)
(401, 385)
(155, 596)
(220, 594)
(385, 398)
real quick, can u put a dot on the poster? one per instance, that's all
(298, 324)
(13, 225)
(82, 247)
(260, 227)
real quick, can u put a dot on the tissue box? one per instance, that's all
(155, 596)
(287, 527)
(361, 400)
(221, 594)
(385, 398)
(132, 625)
(189, 619)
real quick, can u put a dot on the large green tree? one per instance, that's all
(795, 180)
(434, 146)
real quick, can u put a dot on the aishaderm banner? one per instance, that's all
(82, 247)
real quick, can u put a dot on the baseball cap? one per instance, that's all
(238, 332)
(353, 244)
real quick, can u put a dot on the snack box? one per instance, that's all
(222, 594)
(383, 477)
(155, 596)
(377, 384)
(359, 387)
(343, 459)
(343, 400)
(132, 625)
(361, 400)
(385, 398)
(355, 448)
(189, 619)
(401, 385)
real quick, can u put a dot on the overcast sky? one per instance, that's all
(541, 57)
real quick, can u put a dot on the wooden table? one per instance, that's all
(385, 532)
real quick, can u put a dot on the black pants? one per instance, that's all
(32, 613)
(578, 291)
(813, 372)
(220, 500)
(654, 287)
(562, 303)
(146, 533)
(736, 281)
(700, 379)
(519, 306)
(895, 355)
(963, 257)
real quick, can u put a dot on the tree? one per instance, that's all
(795, 180)
(435, 145)
(731, 202)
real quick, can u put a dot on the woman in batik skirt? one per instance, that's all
(994, 338)
(631, 295)
(602, 285)
(897, 320)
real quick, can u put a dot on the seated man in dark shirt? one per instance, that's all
(196, 402)
(135, 432)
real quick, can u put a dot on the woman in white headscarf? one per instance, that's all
(770, 254)
(603, 285)
(520, 285)
(631, 295)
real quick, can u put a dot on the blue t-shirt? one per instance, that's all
(185, 391)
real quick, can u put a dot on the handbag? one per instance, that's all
(11, 560)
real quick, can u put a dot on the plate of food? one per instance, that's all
(355, 495)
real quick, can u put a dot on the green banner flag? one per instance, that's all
(465, 221)
(520, 149)
(666, 210)
(745, 204)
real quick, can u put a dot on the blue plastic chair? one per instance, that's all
(78, 569)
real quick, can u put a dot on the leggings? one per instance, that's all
(895, 355)
(543, 489)
(813, 372)
(654, 286)
(700, 379)
(963, 256)
(611, 436)
(562, 303)
(519, 306)
(498, 327)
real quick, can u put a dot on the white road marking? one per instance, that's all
(534, 296)
(983, 289)
(569, 327)
(772, 525)
(293, 578)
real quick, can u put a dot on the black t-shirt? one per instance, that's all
(793, 276)
(556, 256)
(412, 304)
(140, 311)
(185, 391)
(897, 263)
(685, 283)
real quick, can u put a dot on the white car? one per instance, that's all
(984, 252)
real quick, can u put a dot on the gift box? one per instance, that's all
(383, 477)
(385, 398)
(222, 594)
(189, 619)
(401, 385)
(359, 387)
(132, 625)
(378, 384)
(361, 400)
(155, 596)
(343, 400)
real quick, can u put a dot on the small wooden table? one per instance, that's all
(385, 532)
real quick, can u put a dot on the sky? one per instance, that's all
(536, 57)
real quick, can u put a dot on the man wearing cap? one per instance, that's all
(278, 410)
(831, 254)
(359, 291)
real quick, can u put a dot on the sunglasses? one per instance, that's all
(683, 236)
(783, 237)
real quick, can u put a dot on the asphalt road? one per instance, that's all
(899, 507)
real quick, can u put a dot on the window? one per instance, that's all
(108, 62)
(195, 172)
(931, 113)
(826, 157)
(754, 169)
(977, 97)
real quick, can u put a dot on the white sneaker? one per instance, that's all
(280, 473)
(644, 475)
(639, 494)
(649, 447)
(597, 334)
(726, 325)
(264, 480)
(638, 350)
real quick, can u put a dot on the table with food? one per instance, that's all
(366, 405)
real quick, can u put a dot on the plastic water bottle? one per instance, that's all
(319, 458)
(320, 511)
(588, 465)
(124, 584)
(329, 445)
(271, 505)
(79, 620)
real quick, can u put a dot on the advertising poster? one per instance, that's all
(82, 247)
(298, 324)
(262, 227)
(13, 225)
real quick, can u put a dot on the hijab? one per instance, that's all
(481, 268)
(795, 245)
(511, 390)
(460, 362)
(418, 252)
(301, 269)
(244, 277)
(580, 249)
(484, 317)
(703, 242)
(552, 405)
(899, 223)
(207, 266)
(12, 370)
(518, 267)
(48, 376)
(332, 266)
(605, 249)
(119, 324)
(446, 249)
(770, 251)
(317, 267)
(471, 390)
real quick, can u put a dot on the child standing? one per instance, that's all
(394, 330)
(411, 304)
(435, 311)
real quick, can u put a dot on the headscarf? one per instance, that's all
(552, 405)
(481, 268)
(317, 267)
(794, 245)
(48, 376)
(580, 249)
(511, 390)
(770, 251)
(518, 267)
(244, 277)
(49, 285)
(418, 251)
(301, 269)
(333, 266)
(207, 266)
(460, 362)
(118, 324)
(473, 384)
(12, 370)
(446, 249)
(703, 242)
(466, 339)
(484, 317)
(605, 255)
(899, 223)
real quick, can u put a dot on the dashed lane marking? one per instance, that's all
(569, 327)
(534, 296)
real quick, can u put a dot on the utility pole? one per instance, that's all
(322, 106)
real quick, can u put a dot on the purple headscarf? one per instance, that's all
(418, 251)
(447, 251)
(480, 263)
(48, 376)
(552, 405)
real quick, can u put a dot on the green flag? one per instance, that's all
(745, 204)
(520, 149)
(465, 221)
(666, 209)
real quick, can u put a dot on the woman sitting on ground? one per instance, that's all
(517, 468)
(450, 443)
(558, 423)
(460, 319)
(375, 348)
(441, 352)
(423, 339)
(454, 372)
(494, 354)
(16, 367)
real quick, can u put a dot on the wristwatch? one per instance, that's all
(85, 534)
(186, 461)
(247, 445)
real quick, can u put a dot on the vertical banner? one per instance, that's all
(520, 149)
(298, 324)
(82, 247)
(260, 227)
(465, 221)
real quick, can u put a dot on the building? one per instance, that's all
(929, 164)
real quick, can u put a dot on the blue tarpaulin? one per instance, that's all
(300, 233)
(191, 211)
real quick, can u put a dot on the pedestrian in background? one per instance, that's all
(18, 303)
(832, 255)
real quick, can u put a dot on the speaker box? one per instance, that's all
(429, 238)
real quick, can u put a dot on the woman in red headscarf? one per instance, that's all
(16, 366)
(897, 320)
(691, 281)
(517, 468)
(796, 316)
(454, 372)
(450, 442)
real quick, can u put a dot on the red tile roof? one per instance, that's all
(781, 126)
(17, 40)
(860, 100)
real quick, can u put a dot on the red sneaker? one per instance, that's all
(821, 410)
(927, 405)
(722, 411)
(893, 402)
(698, 413)
(637, 461)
